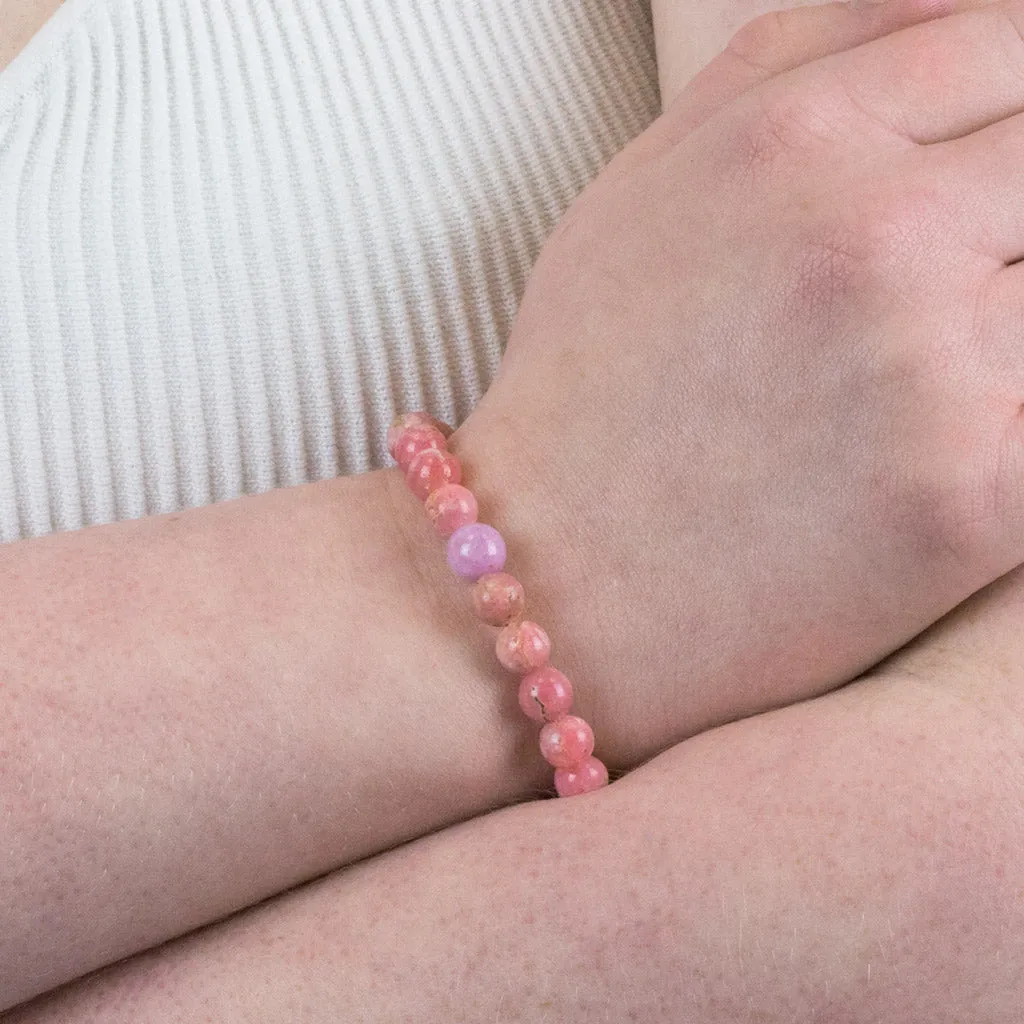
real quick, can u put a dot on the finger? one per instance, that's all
(983, 176)
(935, 81)
(771, 46)
(788, 39)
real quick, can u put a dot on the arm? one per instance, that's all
(203, 709)
(852, 860)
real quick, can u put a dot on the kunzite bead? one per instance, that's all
(523, 646)
(545, 695)
(585, 777)
(567, 742)
(413, 419)
(416, 440)
(498, 598)
(451, 507)
(430, 470)
(475, 550)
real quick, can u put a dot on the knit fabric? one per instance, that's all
(237, 235)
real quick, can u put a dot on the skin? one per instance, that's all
(200, 712)
(471, 438)
(851, 860)
(848, 431)
(183, 654)
(688, 34)
(19, 21)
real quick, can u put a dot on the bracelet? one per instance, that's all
(476, 552)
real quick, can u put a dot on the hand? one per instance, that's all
(760, 419)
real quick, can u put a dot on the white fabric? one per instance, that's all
(237, 235)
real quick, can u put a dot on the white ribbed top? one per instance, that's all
(237, 235)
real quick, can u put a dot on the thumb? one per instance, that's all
(770, 46)
(784, 40)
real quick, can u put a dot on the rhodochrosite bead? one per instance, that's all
(474, 550)
(413, 419)
(523, 646)
(430, 470)
(451, 507)
(587, 776)
(545, 695)
(416, 440)
(567, 742)
(498, 598)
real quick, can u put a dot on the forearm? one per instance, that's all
(850, 860)
(203, 709)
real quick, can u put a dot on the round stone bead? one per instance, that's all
(498, 598)
(451, 507)
(416, 440)
(588, 775)
(523, 646)
(475, 550)
(545, 695)
(413, 419)
(430, 470)
(567, 742)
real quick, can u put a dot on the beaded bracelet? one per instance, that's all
(476, 552)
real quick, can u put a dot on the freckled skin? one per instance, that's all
(182, 695)
(899, 810)
(853, 859)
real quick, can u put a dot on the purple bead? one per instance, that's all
(476, 549)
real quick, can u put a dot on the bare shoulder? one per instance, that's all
(19, 22)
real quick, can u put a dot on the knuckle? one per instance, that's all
(758, 44)
(869, 251)
(891, 228)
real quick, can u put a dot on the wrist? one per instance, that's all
(620, 625)
(481, 746)
(243, 697)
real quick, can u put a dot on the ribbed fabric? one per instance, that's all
(237, 235)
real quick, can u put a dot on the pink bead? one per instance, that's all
(588, 775)
(430, 470)
(451, 507)
(567, 742)
(413, 419)
(498, 598)
(522, 647)
(545, 695)
(416, 440)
